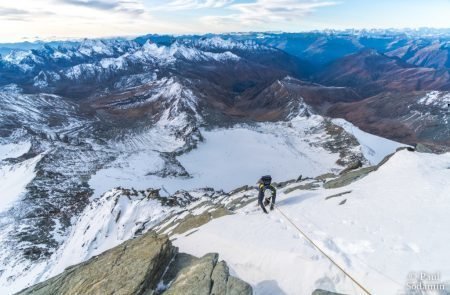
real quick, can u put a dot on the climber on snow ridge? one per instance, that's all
(264, 184)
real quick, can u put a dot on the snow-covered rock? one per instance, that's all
(43, 79)
(25, 60)
(89, 47)
(85, 71)
(114, 63)
(437, 99)
(218, 42)
(170, 54)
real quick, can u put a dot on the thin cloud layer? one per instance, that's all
(14, 14)
(93, 4)
(195, 4)
(5, 11)
(264, 11)
(130, 6)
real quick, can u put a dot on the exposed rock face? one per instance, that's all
(130, 268)
(355, 165)
(205, 275)
(139, 266)
(308, 186)
(194, 221)
(423, 148)
(349, 177)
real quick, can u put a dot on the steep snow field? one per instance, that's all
(14, 150)
(105, 223)
(14, 178)
(394, 224)
(374, 148)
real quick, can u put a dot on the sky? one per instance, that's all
(25, 20)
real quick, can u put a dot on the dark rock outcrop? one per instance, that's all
(307, 186)
(189, 275)
(145, 265)
(133, 267)
(354, 165)
(421, 148)
(349, 177)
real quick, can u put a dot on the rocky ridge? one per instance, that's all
(145, 265)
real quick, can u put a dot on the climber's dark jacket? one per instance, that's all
(262, 189)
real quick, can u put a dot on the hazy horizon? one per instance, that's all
(130, 37)
(28, 20)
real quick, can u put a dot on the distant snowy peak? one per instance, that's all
(43, 79)
(100, 59)
(228, 44)
(25, 60)
(174, 108)
(296, 105)
(88, 47)
(86, 52)
(169, 92)
(85, 70)
(151, 51)
(110, 48)
(170, 54)
(114, 63)
(95, 70)
(17, 56)
(150, 55)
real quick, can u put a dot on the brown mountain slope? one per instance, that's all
(403, 117)
(370, 73)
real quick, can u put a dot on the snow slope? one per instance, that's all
(13, 150)
(394, 223)
(92, 236)
(14, 178)
(230, 158)
(374, 148)
(117, 216)
(227, 158)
